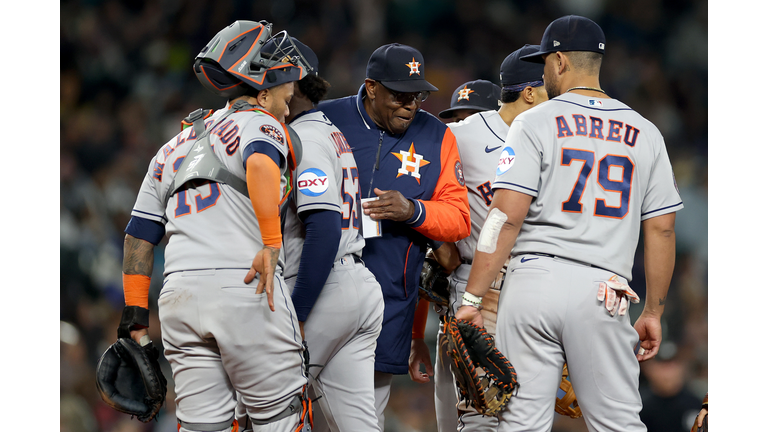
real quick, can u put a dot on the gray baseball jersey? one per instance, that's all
(480, 139)
(596, 169)
(326, 180)
(343, 344)
(231, 237)
(220, 336)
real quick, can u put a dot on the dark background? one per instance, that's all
(126, 81)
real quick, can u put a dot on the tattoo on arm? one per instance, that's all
(662, 301)
(138, 256)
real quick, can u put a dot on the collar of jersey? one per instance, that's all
(257, 109)
(303, 113)
(361, 108)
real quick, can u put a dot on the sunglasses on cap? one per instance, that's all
(402, 98)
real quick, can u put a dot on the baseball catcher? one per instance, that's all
(129, 378)
(485, 378)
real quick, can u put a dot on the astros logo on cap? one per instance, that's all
(414, 65)
(464, 93)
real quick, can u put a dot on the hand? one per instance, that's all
(390, 205)
(471, 314)
(648, 327)
(264, 264)
(615, 294)
(419, 356)
(699, 419)
(138, 334)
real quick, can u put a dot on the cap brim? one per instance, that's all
(449, 112)
(409, 86)
(534, 57)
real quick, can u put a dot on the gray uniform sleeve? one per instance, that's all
(148, 203)
(260, 134)
(519, 167)
(317, 184)
(662, 196)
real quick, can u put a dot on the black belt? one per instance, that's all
(568, 259)
(357, 259)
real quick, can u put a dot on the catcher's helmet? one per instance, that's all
(233, 60)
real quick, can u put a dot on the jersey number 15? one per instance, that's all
(623, 186)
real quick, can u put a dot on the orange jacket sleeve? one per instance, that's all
(447, 211)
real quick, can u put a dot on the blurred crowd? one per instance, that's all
(127, 81)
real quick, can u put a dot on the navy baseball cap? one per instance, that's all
(478, 95)
(515, 71)
(399, 68)
(569, 33)
(286, 47)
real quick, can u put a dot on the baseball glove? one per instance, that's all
(485, 378)
(433, 285)
(566, 399)
(129, 379)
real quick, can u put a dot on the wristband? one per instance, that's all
(471, 300)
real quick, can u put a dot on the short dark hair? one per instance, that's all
(314, 88)
(508, 96)
(586, 61)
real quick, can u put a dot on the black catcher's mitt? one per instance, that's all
(433, 284)
(485, 378)
(129, 379)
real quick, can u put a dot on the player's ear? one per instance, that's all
(562, 62)
(262, 97)
(370, 88)
(527, 94)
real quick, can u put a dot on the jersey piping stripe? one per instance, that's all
(295, 330)
(514, 184)
(151, 214)
(319, 204)
(593, 108)
(489, 128)
(663, 208)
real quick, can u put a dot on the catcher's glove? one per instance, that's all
(566, 399)
(485, 378)
(129, 379)
(434, 283)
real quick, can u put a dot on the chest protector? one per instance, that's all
(201, 162)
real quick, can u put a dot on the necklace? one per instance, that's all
(586, 88)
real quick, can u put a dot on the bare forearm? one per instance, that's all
(138, 256)
(659, 250)
(510, 207)
(448, 256)
(486, 266)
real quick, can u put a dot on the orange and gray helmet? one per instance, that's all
(233, 60)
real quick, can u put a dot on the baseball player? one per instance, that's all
(408, 159)
(338, 301)
(480, 139)
(472, 97)
(223, 335)
(577, 178)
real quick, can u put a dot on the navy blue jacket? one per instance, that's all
(423, 164)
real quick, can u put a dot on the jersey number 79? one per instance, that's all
(623, 186)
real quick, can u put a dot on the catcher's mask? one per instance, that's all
(233, 60)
